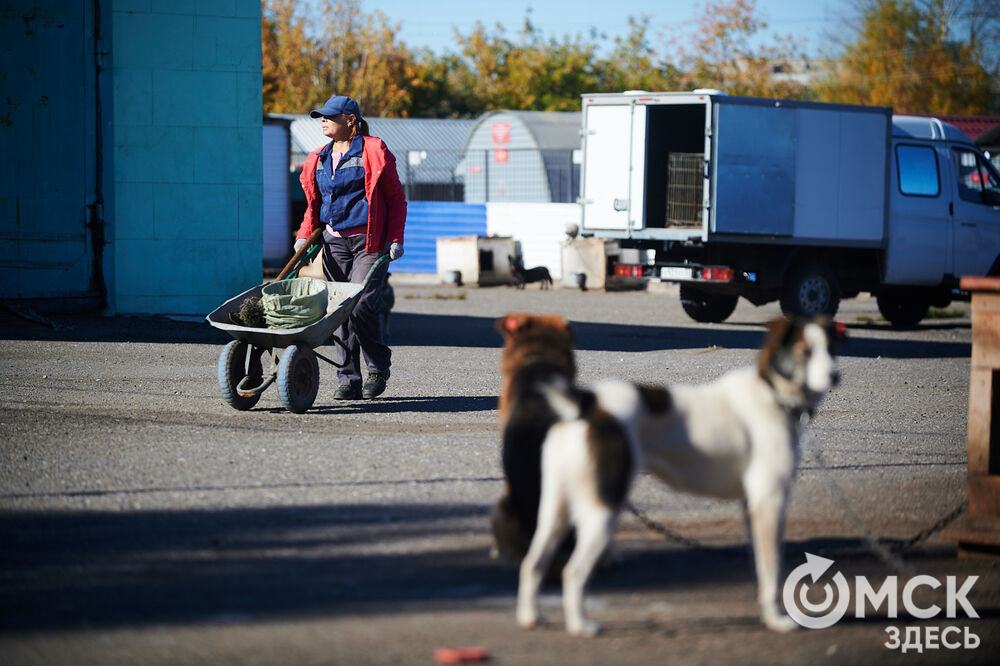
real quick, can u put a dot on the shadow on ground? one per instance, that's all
(417, 330)
(66, 570)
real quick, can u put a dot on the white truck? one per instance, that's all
(799, 202)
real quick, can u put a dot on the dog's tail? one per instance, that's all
(568, 403)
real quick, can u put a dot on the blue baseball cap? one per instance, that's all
(336, 105)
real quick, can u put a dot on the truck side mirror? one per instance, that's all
(991, 198)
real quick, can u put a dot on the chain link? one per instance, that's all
(878, 547)
(662, 529)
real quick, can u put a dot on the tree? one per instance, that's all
(531, 73)
(975, 22)
(346, 52)
(362, 58)
(634, 63)
(290, 58)
(727, 53)
(904, 57)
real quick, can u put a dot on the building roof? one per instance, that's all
(549, 130)
(401, 135)
(427, 150)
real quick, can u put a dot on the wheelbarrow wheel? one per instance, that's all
(233, 369)
(298, 378)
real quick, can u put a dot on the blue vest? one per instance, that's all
(342, 188)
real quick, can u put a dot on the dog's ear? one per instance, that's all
(784, 330)
(781, 332)
(510, 324)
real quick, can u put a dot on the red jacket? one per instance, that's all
(386, 200)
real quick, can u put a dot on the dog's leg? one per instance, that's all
(594, 530)
(765, 514)
(553, 523)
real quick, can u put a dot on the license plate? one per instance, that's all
(675, 273)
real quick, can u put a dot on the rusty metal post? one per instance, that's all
(981, 532)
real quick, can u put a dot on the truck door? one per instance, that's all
(976, 219)
(613, 190)
(918, 251)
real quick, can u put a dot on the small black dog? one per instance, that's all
(524, 275)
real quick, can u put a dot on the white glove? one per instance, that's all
(299, 242)
(395, 251)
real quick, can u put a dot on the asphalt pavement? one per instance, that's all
(144, 521)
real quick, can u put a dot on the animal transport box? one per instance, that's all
(679, 166)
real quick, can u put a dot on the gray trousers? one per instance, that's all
(345, 260)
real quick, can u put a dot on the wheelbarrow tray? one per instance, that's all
(343, 296)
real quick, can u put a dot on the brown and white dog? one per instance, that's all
(538, 350)
(734, 438)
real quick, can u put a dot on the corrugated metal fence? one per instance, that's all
(426, 221)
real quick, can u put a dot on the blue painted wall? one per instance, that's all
(48, 139)
(187, 153)
(426, 221)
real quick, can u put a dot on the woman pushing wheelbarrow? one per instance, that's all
(356, 211)
(353, 193)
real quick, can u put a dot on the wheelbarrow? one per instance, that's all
(293, 361)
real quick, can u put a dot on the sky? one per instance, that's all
(430, 23)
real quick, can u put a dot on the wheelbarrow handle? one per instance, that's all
(382, 259)
(314, 238)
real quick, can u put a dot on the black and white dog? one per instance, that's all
(734, 438)
(524, 275)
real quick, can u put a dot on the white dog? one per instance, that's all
(734, 438)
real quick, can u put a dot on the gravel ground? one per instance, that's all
(144, 521)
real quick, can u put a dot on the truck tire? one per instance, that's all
(810, 290)
(902, 307)
(706, 307)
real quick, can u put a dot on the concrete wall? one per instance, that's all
(187, 153)
(539, 228)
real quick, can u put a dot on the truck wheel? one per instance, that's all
(902, 307)
(706, 307)
(810, 290)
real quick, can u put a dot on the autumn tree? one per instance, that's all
(529, 72)
(310, 55)
(905, 57)
(290, 57)
(727, 52)
(634, 64)
(975, 22)
(362, 58)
